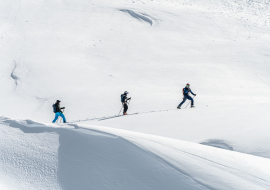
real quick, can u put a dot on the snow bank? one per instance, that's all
(91, 157)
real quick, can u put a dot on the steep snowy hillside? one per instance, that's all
(51, 156)
(88, 52)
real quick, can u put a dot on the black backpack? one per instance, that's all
(122, 96)
(54, 108)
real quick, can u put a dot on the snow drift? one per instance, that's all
(88, 157)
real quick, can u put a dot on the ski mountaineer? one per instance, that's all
(124, 100)
(186, 90)
(58, 112)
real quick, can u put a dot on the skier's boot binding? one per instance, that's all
(125, 113)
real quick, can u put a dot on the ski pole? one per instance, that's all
(61, 114)
(189, 102)
(120, 110)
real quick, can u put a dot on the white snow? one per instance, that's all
(87, 52)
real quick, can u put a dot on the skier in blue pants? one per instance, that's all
(186, 90)
(58, 112)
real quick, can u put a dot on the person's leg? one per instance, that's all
(184, 99)
(63, 116)
(192, 101)
(56, 117)
(125, 108)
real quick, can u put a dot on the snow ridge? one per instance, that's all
(87, 152)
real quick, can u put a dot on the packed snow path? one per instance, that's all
(51, 156)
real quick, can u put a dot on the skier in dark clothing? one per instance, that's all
(186, 90)
(57, 110)
(124, 100)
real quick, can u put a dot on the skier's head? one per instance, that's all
(58, 101)
(126, 92)
(188, 85)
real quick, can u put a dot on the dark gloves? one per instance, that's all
(194, 94)
(129, 98)
(63, 108)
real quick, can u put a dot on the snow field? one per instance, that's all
(86, 53)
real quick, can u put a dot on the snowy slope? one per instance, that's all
(87, 52)
(91, 157)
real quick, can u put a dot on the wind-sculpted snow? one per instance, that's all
(90, 157)
(13, 76)
(86, 159)
(139, 16)
(218, 144)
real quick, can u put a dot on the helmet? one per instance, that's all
(126, 92)
(188, 84)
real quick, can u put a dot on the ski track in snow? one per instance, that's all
(116, 116)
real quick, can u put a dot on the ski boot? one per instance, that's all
(178, 107)
(192, 106)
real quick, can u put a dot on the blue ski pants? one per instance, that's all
(185, 98)
(57, 114)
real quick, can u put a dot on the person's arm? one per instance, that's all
(192, 92)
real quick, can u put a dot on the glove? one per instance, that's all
(195, 95)
(63, 108)
(129, 98)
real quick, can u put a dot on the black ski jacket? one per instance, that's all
(57, 108)
(124, 98)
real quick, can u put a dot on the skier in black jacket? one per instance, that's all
(124, 100)
(58, 112)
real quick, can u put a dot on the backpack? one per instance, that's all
(184, 91)
(122, 95)
(54, 108)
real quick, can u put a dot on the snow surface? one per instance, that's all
(92, 157)
(87, 52)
